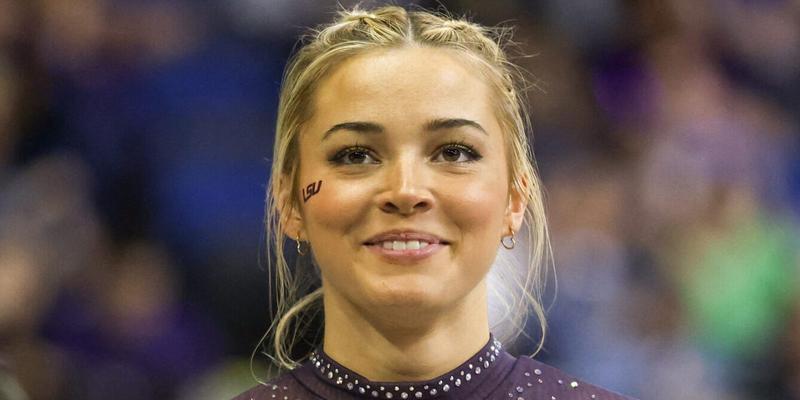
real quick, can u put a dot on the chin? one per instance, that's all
(408, 294)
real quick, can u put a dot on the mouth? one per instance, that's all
(404, 239)
(405, 246)
(398, 245)
(405, 252)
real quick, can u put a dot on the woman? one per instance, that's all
(401, 165)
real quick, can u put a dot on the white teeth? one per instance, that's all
(405, 245)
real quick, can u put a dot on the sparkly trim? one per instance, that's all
(460, 377)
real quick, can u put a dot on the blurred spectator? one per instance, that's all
(738, 275)
(128, 329)
(47, 235)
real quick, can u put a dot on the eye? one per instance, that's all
(457, 153)
(354, 155)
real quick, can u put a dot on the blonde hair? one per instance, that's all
(356, 32)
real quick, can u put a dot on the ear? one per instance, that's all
(515, 210)
(290, 215)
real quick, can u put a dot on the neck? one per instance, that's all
(405, 345)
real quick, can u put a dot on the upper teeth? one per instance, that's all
(404, 245)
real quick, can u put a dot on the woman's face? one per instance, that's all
(403, 180)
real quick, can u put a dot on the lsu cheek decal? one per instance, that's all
(310, 190)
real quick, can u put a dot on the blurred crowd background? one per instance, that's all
(135, 138)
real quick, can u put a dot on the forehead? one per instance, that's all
(406, 82)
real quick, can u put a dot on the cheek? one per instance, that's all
(478, 207)
(335, 209)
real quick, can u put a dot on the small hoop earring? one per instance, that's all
(299, 250)
(507, 245)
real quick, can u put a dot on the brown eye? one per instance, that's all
(354, 156)
(457, 153)
(451, 154)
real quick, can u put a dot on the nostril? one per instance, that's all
(406, 208)
(390, 207)
(405, 201)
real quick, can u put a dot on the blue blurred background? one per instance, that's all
(135, 138)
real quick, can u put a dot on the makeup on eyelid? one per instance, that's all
(340, 156)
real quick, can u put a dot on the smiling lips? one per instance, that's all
(405, 246)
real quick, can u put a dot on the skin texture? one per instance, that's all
(386, 319)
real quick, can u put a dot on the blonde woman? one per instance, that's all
(401, 167)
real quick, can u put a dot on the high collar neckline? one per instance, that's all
(463, 378)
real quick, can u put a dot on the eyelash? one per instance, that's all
(340, 156)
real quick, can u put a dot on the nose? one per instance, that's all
(406, 191)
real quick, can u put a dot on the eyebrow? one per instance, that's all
(430, 126)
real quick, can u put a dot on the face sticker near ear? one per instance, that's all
(310, 190)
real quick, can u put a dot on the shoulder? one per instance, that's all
(543, 379)
(285, 386)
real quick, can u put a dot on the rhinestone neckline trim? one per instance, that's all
(461, 377)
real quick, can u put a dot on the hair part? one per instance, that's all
(356, 32)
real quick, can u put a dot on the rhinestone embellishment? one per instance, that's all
(344, 379)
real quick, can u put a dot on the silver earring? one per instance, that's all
(299, 250)
(505, 243)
